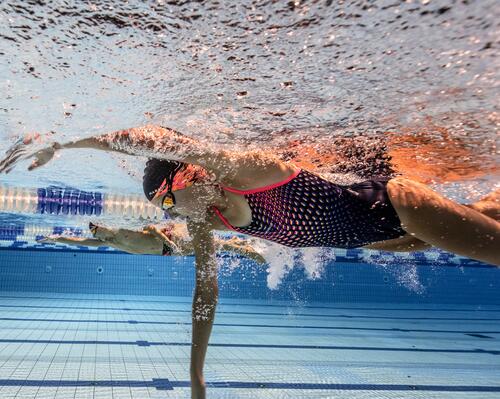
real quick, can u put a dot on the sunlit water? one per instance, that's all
(339, 87)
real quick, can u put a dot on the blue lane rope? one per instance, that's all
(67, 201)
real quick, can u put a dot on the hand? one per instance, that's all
(29, 147)
(255, 256)
(156, 232)
(244, 248)
(198, 389)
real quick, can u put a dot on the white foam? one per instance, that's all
(314, 261)
(281, 260)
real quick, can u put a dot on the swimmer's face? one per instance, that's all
(187, 194)
(189, 202)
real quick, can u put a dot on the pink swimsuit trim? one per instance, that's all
(223, 219)
(252, 191)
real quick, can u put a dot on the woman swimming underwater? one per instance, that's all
(259, 195)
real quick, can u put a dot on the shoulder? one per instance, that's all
(255, 170)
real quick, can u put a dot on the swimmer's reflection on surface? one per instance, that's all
(257, 194)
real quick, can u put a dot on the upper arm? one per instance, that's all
(129, 233)
(240, 170)
(251, 170)
(163, 143)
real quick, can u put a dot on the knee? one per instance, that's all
(405, 193)
(415, 202)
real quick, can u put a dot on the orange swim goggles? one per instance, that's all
(184, 178)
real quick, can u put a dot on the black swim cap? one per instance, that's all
(155, 172)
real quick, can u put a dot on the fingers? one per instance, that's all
(12, 155)
(8, 163)
(11, 152)
(21, 150)
(35, 164)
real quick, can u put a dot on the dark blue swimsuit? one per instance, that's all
(308, 211)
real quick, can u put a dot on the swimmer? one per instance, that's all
(169, 239)
(257, 194)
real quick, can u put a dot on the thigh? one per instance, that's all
(441, 222)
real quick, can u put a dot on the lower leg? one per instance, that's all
(488, 205)
(407, 243)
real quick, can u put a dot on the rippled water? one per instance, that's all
(331, 84)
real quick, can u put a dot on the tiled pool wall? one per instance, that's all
(350, 278)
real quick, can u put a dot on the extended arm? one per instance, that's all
(88, 242)
(185, 248)
(204, 304)
(150, 140)
(238, 170)
(161, 143)
(131, 241)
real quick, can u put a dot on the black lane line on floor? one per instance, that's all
(166, 385)
(340, 316)
(262, 305)
(479, 336)
(267, 346)
(250, 325)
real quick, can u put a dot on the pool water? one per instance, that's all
(101, 324)
(345, 89)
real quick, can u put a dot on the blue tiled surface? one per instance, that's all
(80, 345)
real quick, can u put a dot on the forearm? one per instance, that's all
(88, 242)
(204, 306)
(204, 303)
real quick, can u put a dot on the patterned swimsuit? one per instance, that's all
(308, 211)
